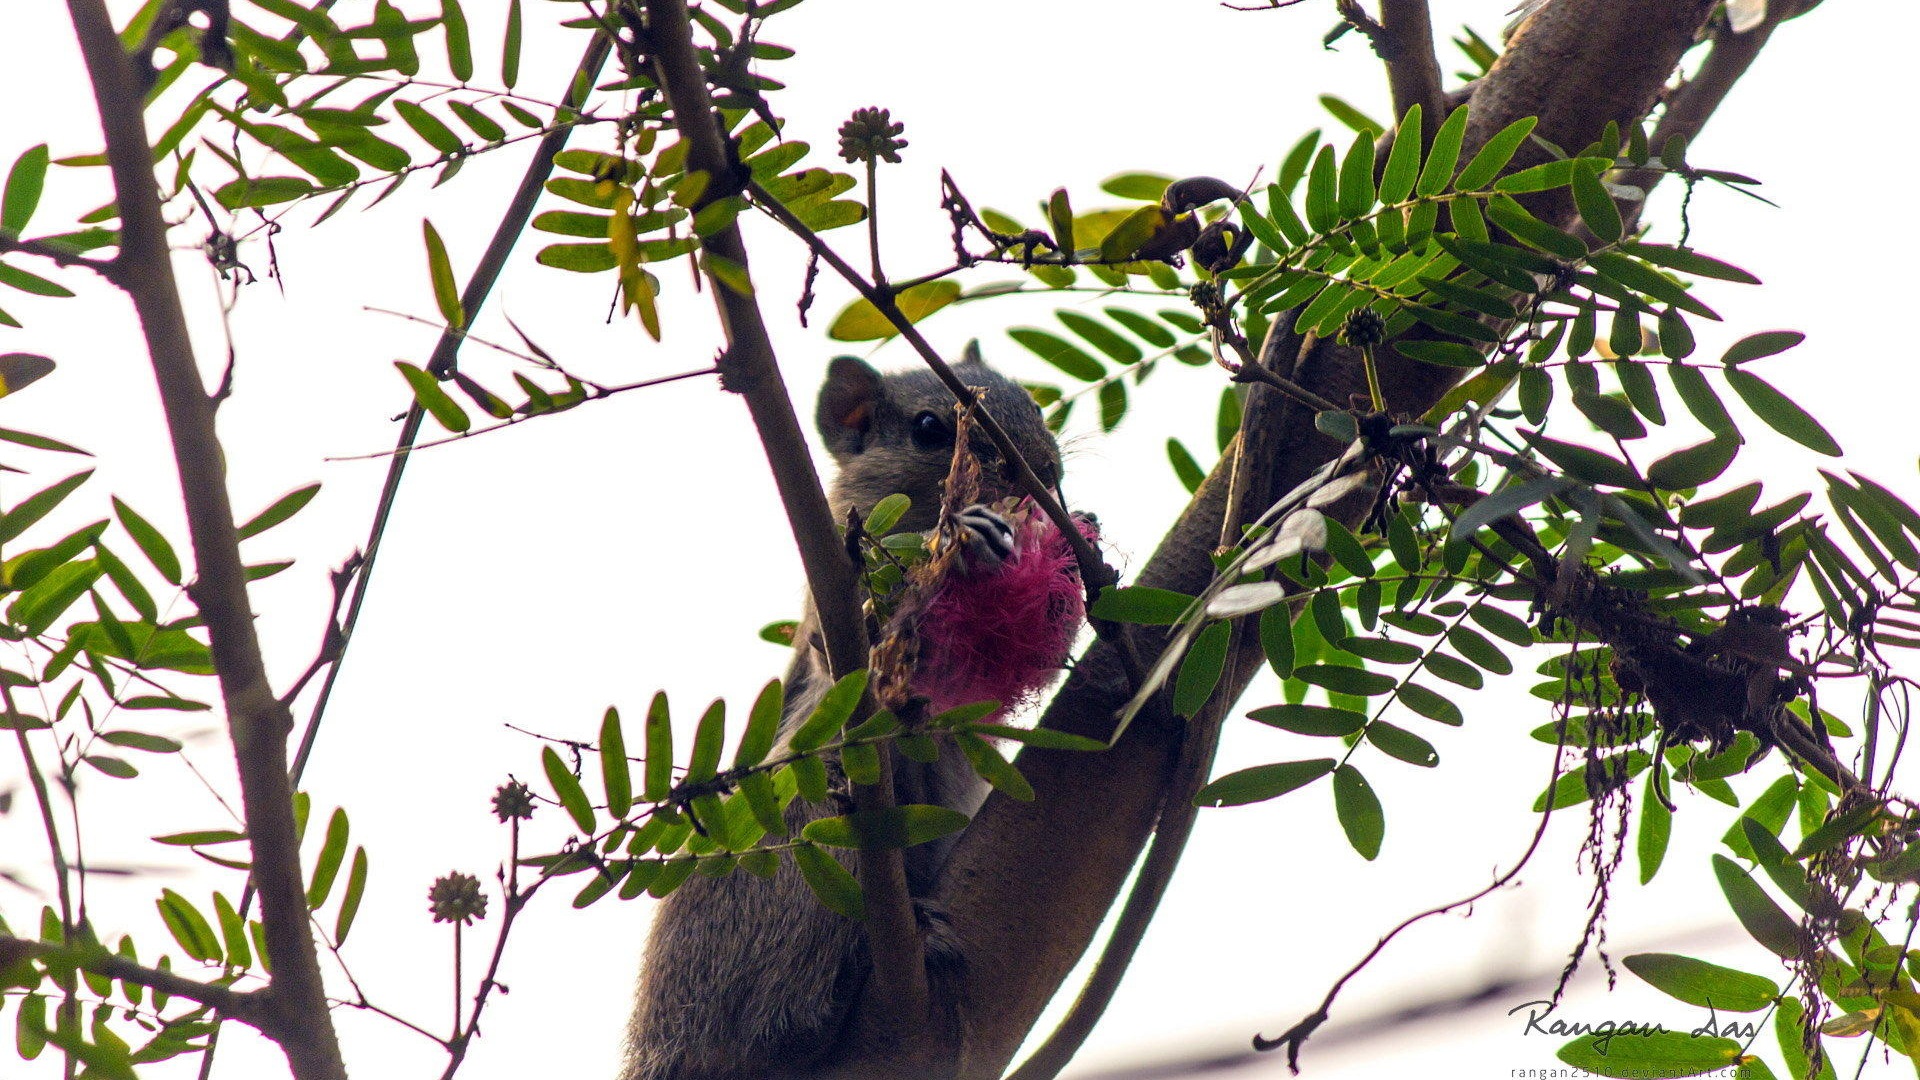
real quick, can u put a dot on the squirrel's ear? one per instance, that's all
(971, 354)
(848, 400)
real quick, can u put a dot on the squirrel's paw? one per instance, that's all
(986, 538)
(942, 945)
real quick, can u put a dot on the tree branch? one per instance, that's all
(1403, 39)
(55, 254)
(258, 723)
(750, 368)
(1691, 104)
(243, 1005)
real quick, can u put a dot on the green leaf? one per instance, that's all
(1310, 719)
(709, 741)
(140, 740)
(616, 772)
(350, 900)
(1475, 647)
(433, 398)
(1586, 463)
(1533, 232)
(446, 291)
(1695, 465)
(151, 543)
(1133, 232)
(1649, 1055)
(1141, 604)
(431, 129)
(1397, 742)
(763, 726)
(1345, 680)
(25, 181)
(1276, 640)
(1688, 261)
(1656, 828)
(37, 505)
(1145, 187)
(1184, 466)
(1350, 116)
(1359, 811)
(1044, 738)
(188, 927)
(283, 508)
(1323, 200)
(453, 22)
(1444, 154)
(1543, 177)
(1781, 413)
(1504, 502)
(1610, 414)
(1200, 670)
(1641, 278)
(1100, 336)
(1430, 704)
(1676, 342)
(827, 718)
(38, 607)
(1262, 782)
(894, 827)
(1597, 208)
(1403, 161)
(1441, 353)
(1493, 156)
(262, 191)
(1356, 177)
(1762, 918)
(332, 852)
(994, 768)
(233, 931)
(830, 881)
(1701, 401)
(1708, 986)
(1059, 352)
(658, 777)
(566, 788)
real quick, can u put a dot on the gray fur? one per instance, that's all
(749, 977)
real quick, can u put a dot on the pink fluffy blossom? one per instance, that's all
(1002, 634)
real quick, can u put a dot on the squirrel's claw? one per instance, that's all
(986, 538)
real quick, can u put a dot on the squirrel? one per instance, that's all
(751, 977)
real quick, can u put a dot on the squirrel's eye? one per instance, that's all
(929, 432)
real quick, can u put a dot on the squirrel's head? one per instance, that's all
(894, 433)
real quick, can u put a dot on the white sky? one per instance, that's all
(535, 576)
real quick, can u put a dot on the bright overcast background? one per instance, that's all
(533, 577)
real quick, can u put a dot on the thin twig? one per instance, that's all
(1296, 1036)
(472, 299)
